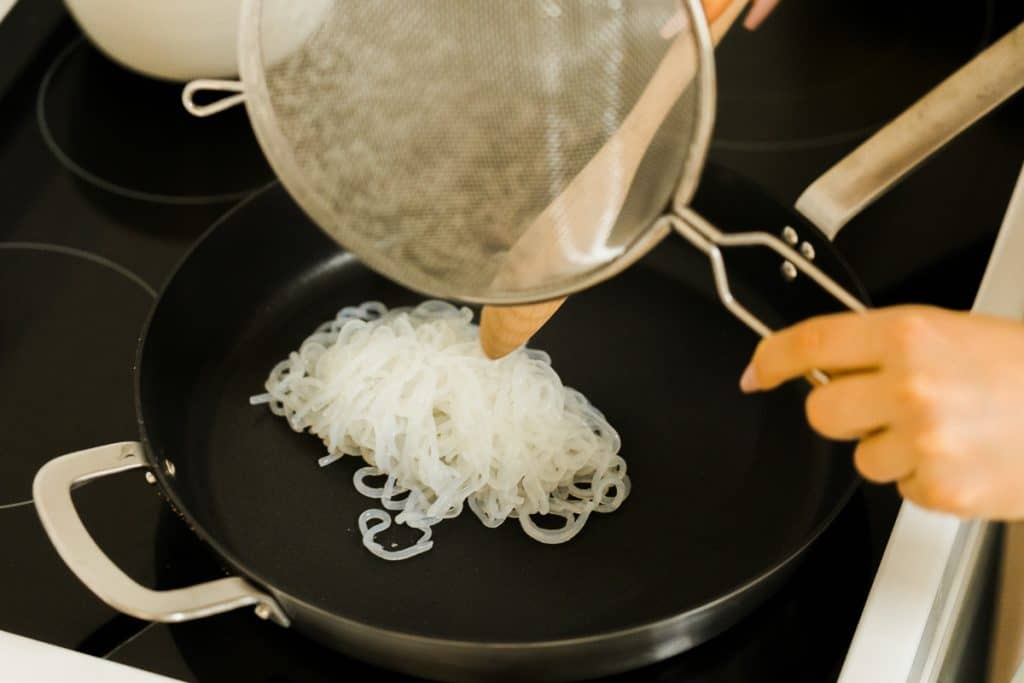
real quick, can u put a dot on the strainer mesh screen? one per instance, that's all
(427, 136)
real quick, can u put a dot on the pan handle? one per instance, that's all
(869, 171)
(51, 491)
(706, 237)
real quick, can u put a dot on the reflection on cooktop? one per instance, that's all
(817, 73)
(69, 322)
(130, 135)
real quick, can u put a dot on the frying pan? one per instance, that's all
(728, 491)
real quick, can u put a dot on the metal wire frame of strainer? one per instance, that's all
(494, 153)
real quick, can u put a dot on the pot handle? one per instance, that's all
(217, 106)
(869, 171)
(51, 491)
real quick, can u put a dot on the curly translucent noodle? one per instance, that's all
(441, 427)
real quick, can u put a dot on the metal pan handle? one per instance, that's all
(869, 171)
(51, 491)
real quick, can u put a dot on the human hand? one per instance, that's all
(759, 10)
(935, 397)
(713, 9)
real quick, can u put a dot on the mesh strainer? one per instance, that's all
(489, 152)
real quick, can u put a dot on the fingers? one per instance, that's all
(758, 13)
(895, 455)
(837, 343)
(714, 8)
(852, 406)
(941, 490)
(884, 457)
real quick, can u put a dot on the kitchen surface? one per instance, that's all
(108, 182)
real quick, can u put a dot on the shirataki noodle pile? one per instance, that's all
(441, 426)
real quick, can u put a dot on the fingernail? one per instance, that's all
(748, 381)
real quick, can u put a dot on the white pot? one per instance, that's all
(181, 40)
(173, 39)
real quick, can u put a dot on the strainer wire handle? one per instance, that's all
(709, 239)
(188, 95)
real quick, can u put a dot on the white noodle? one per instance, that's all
(410, 391)
(383, 520)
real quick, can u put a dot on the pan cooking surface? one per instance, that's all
(725, 487)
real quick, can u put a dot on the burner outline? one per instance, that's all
(47, 247)
(79, 171)
(841, 137)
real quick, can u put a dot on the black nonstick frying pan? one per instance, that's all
(728, 490)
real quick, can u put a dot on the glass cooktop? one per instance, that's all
(97, 206)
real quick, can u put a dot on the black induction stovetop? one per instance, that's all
(106, 183)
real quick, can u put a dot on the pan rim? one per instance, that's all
(168, 490)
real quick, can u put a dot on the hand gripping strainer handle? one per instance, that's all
(710, 240)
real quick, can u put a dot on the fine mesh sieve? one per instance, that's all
(490, 152)
(429, 137)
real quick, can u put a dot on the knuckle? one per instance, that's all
(808, 339)
(935, 444)
(948, 494)
(907, 332)
(916, 392)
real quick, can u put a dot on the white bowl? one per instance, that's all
(181, 40)
(174, 39)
